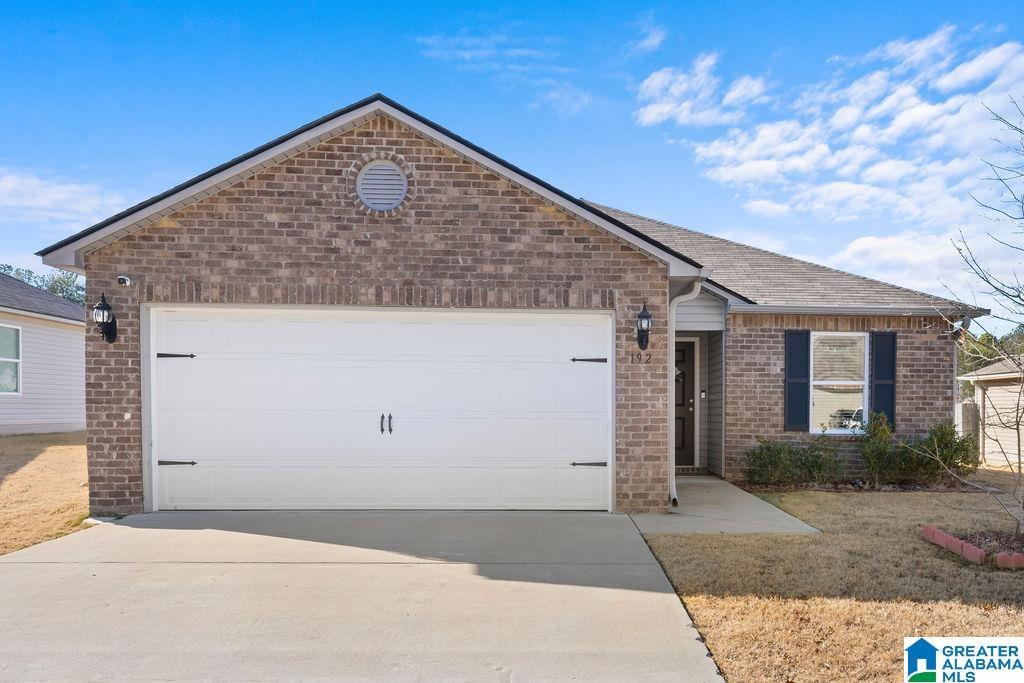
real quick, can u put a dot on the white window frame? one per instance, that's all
(16, 361)
(816, 429)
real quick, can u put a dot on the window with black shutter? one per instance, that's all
(883, 375)
(798, 376)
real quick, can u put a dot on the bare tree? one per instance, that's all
(1001, 429)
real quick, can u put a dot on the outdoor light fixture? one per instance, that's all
(643, 328)
(104, 318)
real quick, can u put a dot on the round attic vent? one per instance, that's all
(382, 185)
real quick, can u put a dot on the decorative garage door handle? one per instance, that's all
(175, 355)
(382, 423)
(589, 360)
(175, 462)
(389, 424)
(589, 464)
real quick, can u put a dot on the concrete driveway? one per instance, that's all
(407, 595)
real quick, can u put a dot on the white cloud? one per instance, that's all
(746, 89)
(692, 97)
(766, 208)
(983, 66)
(566, 99)
(652, 35)
(55, 204)
(513, 58)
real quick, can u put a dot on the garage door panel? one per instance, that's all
(525, 486)
(416, 485)
(580, 389)
(299, 338)
(527, 340)
(468, 486)
(305, 486)
(298, 385)
(357, 386)
(185, 383)
(580, 340)
(522, 387)
(413, 339)
(524, 438)
(186, 334)
(355, 339)
(185, 487)
(187, 436)
(360, 486)
(469, 340)
(281, 409)
(241, 436)
(579, 486)
(246, 486)
(241, 383)
(413, 386)
(470, 387)
(240, 337)
(471, 436)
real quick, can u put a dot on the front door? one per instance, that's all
(685, 409)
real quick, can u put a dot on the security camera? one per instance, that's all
(124, 280)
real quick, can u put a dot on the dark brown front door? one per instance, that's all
(685, 413)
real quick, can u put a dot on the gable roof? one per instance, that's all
(1007, 368)
(769, 279)
(67, 253)
(21, 296)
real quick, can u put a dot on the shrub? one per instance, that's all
(938, 456)
(921, 461)
(876, 447)
(777, 463)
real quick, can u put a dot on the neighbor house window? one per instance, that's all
(10, 360)
(839, 382)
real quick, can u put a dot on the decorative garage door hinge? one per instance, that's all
(175, 355)
(589, 360)
(589, 464)
(175, 462)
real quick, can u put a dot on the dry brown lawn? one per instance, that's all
(41, 491)
(837, 605)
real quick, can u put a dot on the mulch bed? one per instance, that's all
(993, 542)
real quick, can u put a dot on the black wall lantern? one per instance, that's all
(643, 328)
(104, 319)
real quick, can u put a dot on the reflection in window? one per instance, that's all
(838, 382)
(10, 360)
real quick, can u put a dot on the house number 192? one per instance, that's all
(639, 358)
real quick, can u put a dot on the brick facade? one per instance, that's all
(755, 379)
(294, 234)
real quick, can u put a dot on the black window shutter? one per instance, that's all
(798, 381)
(883, 375)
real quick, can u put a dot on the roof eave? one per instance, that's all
(919, 310)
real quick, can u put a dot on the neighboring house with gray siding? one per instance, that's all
(999, 397)
(42, 360)
(373, 312)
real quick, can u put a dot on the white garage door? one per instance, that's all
(380, 409)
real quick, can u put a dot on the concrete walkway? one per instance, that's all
(497, 596)
(709, 505)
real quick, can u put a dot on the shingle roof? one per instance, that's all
(24, 297)
(1006, 366)
(767, 278)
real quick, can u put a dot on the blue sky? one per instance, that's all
(846, 133)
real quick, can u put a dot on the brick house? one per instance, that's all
(373, 312)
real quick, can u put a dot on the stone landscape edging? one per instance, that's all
(968, 551)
